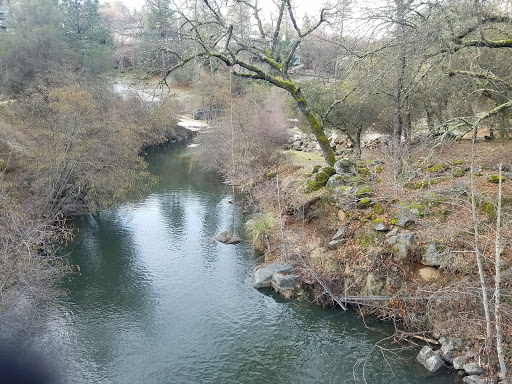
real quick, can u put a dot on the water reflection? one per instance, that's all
(158, 302)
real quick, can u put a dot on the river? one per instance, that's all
(156, 301)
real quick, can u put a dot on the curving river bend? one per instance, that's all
(158, 302)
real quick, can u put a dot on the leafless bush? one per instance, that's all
(28, 264)
(246, 148)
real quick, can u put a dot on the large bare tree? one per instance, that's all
(267, 53)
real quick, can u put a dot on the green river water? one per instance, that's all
(158, 302)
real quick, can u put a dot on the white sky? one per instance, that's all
(310, 7)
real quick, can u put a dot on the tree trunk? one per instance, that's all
(397, 96)
(497, 282)
(316, 126)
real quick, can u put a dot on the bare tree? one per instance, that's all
(261, 55)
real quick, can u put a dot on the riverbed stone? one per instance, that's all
(429, 359)
(459, 362)
(473, 369)
(285, 284)
(473, 379)
(235, 240)
(449, 348)
(223, 236)
(263, 275)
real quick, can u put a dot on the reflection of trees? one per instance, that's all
(112, 292)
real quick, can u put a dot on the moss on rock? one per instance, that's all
(495, 179)
(321, 178)
(438, 168)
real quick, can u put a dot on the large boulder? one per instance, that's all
(285, 284)
(429, 359)
(262, 277)
(344, 166)
(338, 180)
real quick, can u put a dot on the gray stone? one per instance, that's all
(448, 347)
(344, 166)
(473, 369)
(406, 238)
(223, 237)
(405, 222)
(429, 359)
(340, 233)
(334, 244)
(433, 256)
(343, 197)
(460, 361)
(297, 144)
(473, 380)
(263, 275)
(338, 180)
(380, 227)
(235, 240)
(393, 232)
(401, 251)
(393, 240)
(282, 283)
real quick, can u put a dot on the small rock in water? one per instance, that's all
(235, 240)
(223, 237)
(429, 359)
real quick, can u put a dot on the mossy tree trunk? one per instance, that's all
(259, 57)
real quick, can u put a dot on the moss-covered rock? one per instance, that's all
(338, 180)
(321, 178)
(415, 208)
(489, 209)
(364, 191)
(438, 168)
(363, 171)
(459, 172)
(316, 168)
(365, 202)
(378, 209)
(312, 186)
(329, 170)
(495, 179)
(418, 185)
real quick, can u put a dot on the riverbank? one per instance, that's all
(53, 171)
(399, 249)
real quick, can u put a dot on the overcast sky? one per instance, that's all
(311, 7)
